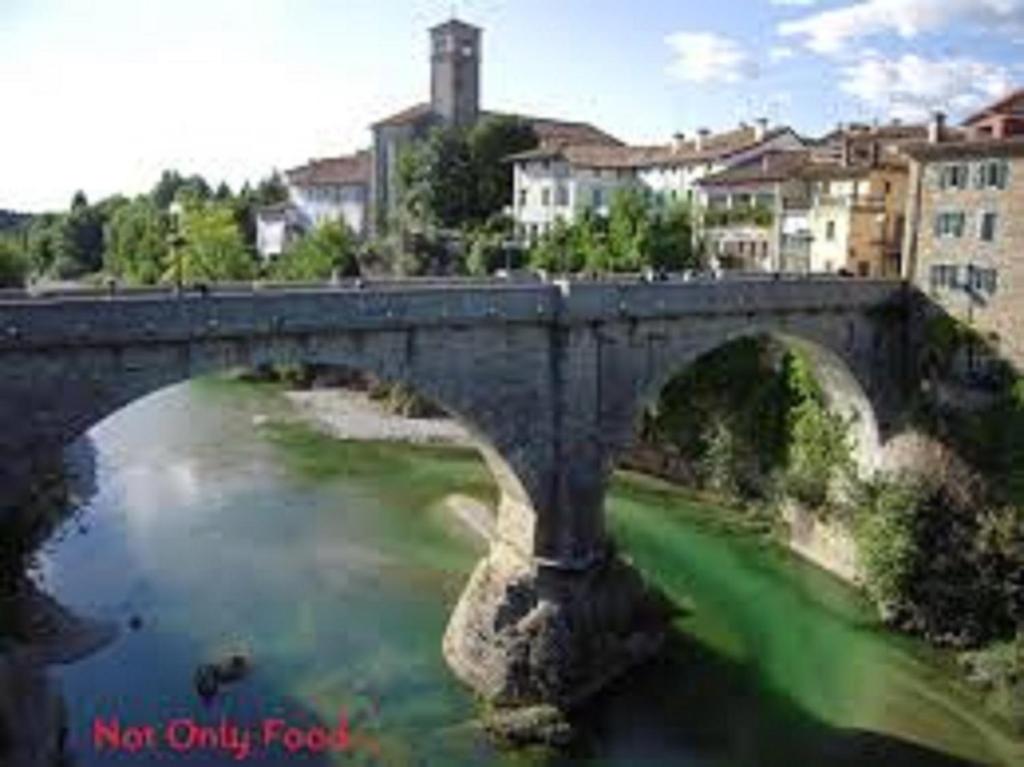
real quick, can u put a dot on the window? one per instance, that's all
(830, 231)
(950, 225)
(545, 197)
(562, 195)
(597, 197)
(981, 280)
(943, 276)
(524, 197)
(992, 174)
(988, 226)
(953, 176)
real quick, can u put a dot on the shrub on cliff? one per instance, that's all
(13, 265)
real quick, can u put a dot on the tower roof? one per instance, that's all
(454, 23)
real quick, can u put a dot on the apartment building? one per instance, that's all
(561, 181)
(965, 231)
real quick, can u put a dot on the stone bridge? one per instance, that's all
(549, 377)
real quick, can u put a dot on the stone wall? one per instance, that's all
(996, 315)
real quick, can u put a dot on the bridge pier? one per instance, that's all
(526, 633)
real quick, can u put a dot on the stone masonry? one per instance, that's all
(549, 378)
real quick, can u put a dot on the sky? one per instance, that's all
(102, 95)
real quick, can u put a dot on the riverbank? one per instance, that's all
(353, 415)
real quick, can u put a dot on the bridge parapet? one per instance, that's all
(90, 319)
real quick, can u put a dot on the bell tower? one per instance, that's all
(455, 72)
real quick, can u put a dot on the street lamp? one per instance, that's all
(175, 241)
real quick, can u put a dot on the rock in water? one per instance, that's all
(206, 682)
(232, 669)
(545, 725)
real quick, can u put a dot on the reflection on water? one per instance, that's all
(330, 565)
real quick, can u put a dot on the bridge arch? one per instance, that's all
(845, 393)
(91, 384)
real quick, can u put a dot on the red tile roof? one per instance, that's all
(549, 130)
(715, 146)
(591, 155)
(408, 115)
(995, 147)
(771, 167)
(349, 169)
(1000, 107)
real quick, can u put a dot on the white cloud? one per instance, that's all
(705, 57)
(781, 53)
(829, 31)
(796, 3)
(910, 87)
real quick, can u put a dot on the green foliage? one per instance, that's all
(670, 240)
(491, 142)
(437, 181)
(212, 247)
(459, 179)
(327, 250)
(629, 219)
(998, 670)
(488, 247)
(884, 531)
(557, 251)
(174, 186)
(13, 264)
(754, 215)
(136, 243)
(819, 444)
(635, 235)
(727, 415)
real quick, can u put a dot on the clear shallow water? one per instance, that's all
(333, 566)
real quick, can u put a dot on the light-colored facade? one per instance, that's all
(847, 219)
(561, 182)
(553, 184)
(331, 189)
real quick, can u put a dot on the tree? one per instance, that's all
(172, 185)
(136, 242)
(13, 264)
(42, 241)
(223, 192)
(79, 246)
(450, 178)
(213, 247)
(488, 248)
(327, 249)
(557, 250)
(628, 230)
(491, 142)
(271, 190)
(670, 242)
(456, 179)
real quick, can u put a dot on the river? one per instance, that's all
(219, 525)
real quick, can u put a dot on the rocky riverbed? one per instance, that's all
(353, 415)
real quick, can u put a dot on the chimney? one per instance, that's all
(702, 137)
(936, 128)
(760, 128)
(678, 140)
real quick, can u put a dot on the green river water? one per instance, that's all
(224, 525)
